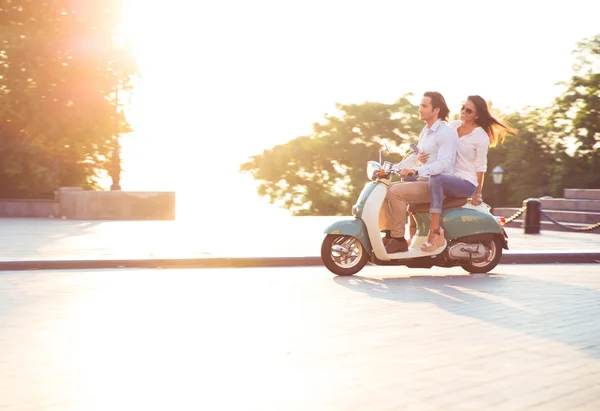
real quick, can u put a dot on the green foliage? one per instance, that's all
(525, 158)
(554, 148)
(322, 174)
(579, 109)
(59, 71)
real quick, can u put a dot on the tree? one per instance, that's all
(58, 81)
(578, 112)
(323, 173)
(525, 157)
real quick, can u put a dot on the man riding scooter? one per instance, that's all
(440, 142)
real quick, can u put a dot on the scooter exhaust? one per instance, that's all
(464, 251)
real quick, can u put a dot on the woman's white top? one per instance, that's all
(471, 154)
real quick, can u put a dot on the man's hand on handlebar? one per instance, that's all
(405, 172)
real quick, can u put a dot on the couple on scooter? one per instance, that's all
(454, 159)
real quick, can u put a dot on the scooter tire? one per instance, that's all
(482, 268)
(335, 268)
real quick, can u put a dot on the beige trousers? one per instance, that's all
(394, 210)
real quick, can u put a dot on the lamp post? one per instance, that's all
(497, 175)
(115, 163)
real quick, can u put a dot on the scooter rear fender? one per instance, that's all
(461, 222)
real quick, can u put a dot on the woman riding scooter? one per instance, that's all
(477, 131)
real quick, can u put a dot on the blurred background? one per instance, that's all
(204, 89)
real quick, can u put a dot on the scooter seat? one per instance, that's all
(449, 202)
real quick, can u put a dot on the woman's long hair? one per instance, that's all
(494, 128)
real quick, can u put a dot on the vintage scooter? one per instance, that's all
(474, 237)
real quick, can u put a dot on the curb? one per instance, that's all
(512, 258)
(162, 263)
(551, 257)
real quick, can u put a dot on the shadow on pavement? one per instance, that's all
(555, 311)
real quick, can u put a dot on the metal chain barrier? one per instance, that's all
(515, 215)
(588, 228)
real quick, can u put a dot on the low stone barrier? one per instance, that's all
(76, 203)
(116, 205)
(29, 207)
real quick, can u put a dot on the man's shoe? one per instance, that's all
(387, 236)
(396, 245)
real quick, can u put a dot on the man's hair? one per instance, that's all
(438, 101)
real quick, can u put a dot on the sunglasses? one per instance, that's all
(467, 110)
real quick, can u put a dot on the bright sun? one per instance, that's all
(186, 138)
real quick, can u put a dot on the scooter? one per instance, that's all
(474, 237)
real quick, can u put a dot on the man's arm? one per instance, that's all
(448, 142)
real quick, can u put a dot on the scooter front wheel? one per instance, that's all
(343, 254)
(494, 254)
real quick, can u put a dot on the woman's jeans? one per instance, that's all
(445, 185)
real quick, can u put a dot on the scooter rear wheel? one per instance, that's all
(494, 248)
(343, 254)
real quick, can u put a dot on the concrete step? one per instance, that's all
(570, 204)
(567, 217)
(582, 193)
(581, 217)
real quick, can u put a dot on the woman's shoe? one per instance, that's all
(412, 231)
(436, 239)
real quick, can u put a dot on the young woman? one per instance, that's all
(477, 131)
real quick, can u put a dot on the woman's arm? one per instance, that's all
(477, 199)
(446, 156)
(481, 152)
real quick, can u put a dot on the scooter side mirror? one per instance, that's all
(385, 150)
(413, 148)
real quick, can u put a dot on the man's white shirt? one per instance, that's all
(440, 142)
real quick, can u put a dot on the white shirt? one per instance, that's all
(440, 141)
(471, 155)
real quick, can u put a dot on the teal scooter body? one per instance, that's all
(473, 237)
(461, 222)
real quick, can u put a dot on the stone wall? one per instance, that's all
(29, 208)
(75, 203)
(116, 205)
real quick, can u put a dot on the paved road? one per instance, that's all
(52, 239)
(523, 338)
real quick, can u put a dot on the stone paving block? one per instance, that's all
(300, 339)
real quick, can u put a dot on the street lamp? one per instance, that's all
(497, 175)
(115, 163)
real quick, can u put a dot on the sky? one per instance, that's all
(223, 80)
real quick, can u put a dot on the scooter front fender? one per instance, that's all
(355, 228)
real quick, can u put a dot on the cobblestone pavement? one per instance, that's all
(524, 338)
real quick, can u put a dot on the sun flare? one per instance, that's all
(222, 81)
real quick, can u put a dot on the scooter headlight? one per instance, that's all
(373, 169)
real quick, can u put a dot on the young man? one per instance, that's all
(440, 142)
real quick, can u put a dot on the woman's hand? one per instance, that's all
(476, 199)
(423, 157)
